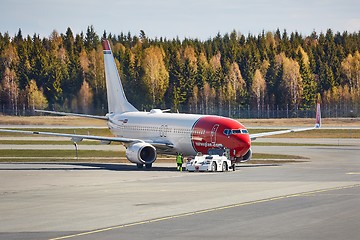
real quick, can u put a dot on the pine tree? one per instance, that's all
(308, 80)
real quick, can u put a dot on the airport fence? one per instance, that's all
(242, 112)
(246, 112)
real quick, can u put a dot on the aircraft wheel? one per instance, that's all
(148, 165)
(139, 165)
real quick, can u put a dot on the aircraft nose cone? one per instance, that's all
(244, 144)
(246, 140)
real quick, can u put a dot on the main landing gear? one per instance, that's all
(141, 166)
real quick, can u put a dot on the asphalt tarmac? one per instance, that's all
(316, 199)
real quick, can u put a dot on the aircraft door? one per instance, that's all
(163, 130)
(213, 133)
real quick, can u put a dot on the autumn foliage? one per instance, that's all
(65, 71)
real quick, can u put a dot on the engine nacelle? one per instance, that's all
(247, 156)
(141, 153)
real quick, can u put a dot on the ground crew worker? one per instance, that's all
(179, 161)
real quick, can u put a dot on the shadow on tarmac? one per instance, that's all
(82, 166)
(66, 166)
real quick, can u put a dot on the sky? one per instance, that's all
(201, 19)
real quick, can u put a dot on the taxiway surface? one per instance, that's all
(317, 199)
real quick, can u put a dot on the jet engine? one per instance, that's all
(141, 153)
(247, 156)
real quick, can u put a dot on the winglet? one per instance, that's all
(318, 116)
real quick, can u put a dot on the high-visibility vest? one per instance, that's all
(179, 159)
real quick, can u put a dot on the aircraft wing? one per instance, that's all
(265, 134)
(79, 138)
(76, 137)
(317, 125)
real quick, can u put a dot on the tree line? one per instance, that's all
(65, 71)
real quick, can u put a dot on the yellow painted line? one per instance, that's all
(353, 173)
(206, 211)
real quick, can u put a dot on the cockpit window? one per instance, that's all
(228, 132)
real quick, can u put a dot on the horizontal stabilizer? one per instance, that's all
(72, 114)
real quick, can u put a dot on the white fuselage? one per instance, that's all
(157, 127)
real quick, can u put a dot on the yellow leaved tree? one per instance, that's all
(156, 77)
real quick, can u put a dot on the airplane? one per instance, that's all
(145, 134)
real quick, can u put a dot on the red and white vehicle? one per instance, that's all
(147, 133)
